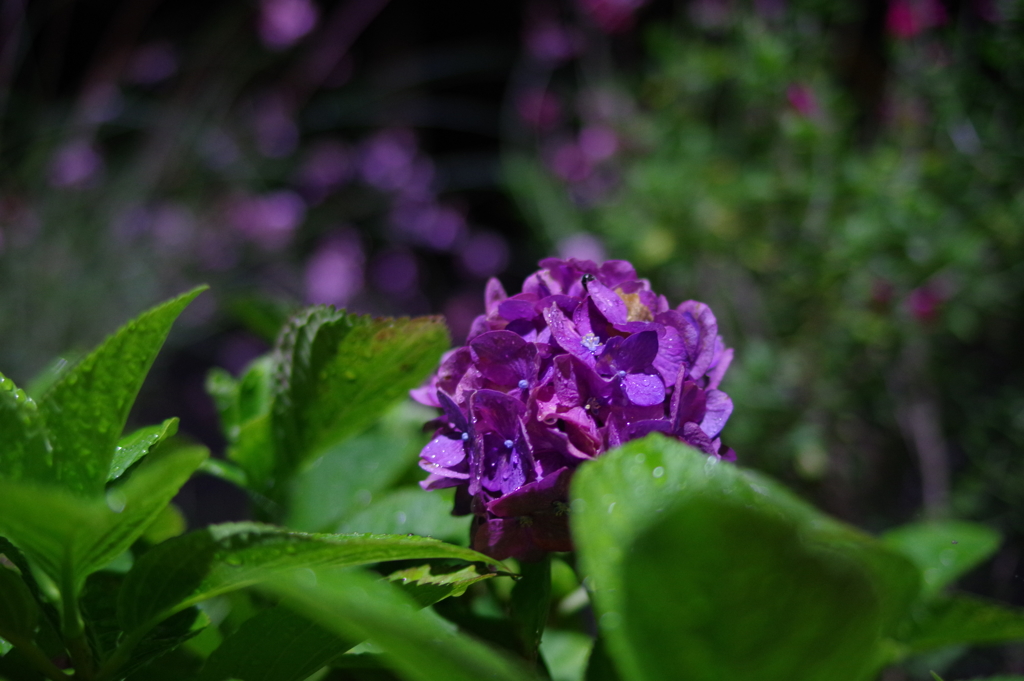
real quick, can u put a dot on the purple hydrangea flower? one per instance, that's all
(585, 358)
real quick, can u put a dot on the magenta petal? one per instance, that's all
(565, 334)
(505, 358)
(699, 334)
(616, 272)
(513, 309)
(643, 389)
(671, 354)
(719, 408)
(495, 412)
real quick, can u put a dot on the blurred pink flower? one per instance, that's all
(598, 142)
(568, 161)
(268, 220)
(395, 272)
(611, 16)
(327, 166)
(802, 99)
(390, 161)
(539, 109)
(334, 273)
(484, 254)
(75, 164)
(283, 23)
(906, 18)
(582, 247)
(428, 223)
(770, 9)
(152, 63)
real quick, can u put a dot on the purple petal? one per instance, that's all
(697, 438)
(445, 452)
(493, 294)
(717, 371)
(699, 332)
(670, 354)
(505, 358)
(636, 352)
(434, 481)
(689, 404)
(719, 408)
(537, 496)
(517, 308)
(495, 412)
(644, 389)
(454, 414)
(565, 334)
(608, 302)
(616, 272)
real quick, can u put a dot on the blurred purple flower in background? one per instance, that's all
(269, 220)
(395, 272)
(907, 18)
(273, 123)
(568, 161)
(611, 16)
(282, 23)
(484, 254)
(152, 63)
(327, 166)
(539, 109)
(585, 358)
(75, 164)
(548, 40)
(427, 223)
(802, 99)
(334, 273)
(581, 246)
(391, 161)
(598, 142)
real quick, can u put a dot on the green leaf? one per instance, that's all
(26, 452)
(409, 510)
(717, 590)
(428, 584)
(86, 408)
(620, 499)
(943, 550)
(419, 645)
(133, 447)
(275, 645)
(565, 653)
(961, 619)
(530, 605)
(337, 373)
(19, 611)
(70, 536)
(352, 473)
(188, 569)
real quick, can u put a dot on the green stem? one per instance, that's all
(74, 628)
(531, 604)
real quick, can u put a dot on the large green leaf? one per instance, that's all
(419, 646)
(276, 644)
(25, 451)
(943, 549)
(718, 590)
(622, 496)
(86, 408)
(70, 536)
(337, 373)
(188, 569)
(961, 619)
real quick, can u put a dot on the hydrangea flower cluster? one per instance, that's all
(586, 358)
